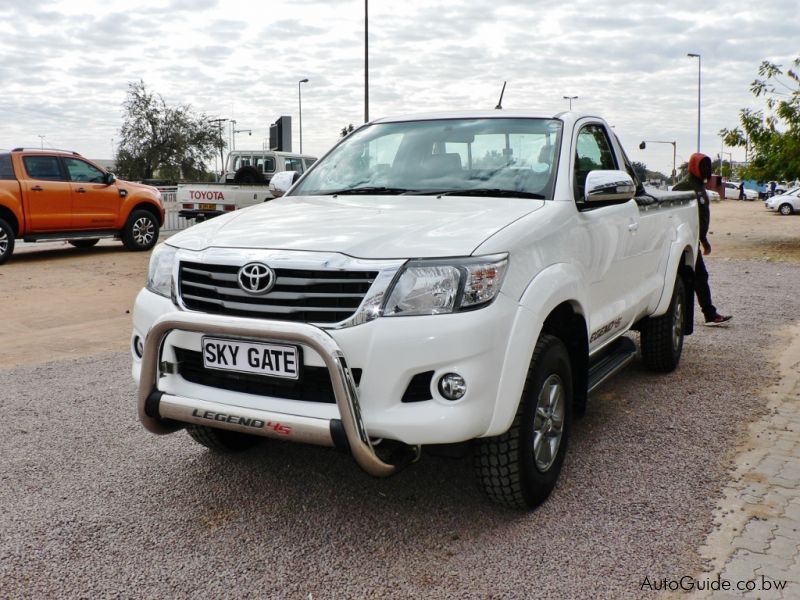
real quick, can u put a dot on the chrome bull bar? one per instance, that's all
(154, 406)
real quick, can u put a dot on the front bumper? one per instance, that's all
(389, 352)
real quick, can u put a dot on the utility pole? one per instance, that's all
(699, 62)
(41, 142)
(570, 98)
(366, 61)
(219, 123)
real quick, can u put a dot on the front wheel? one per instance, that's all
(786, 209)
(520, 467)
(6, 241)
(141, 231)
(662, 337)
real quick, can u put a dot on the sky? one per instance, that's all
(65, 66)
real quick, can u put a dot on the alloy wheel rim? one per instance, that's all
(143, 231)
(548, 422)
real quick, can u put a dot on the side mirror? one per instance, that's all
(608, 186)
(282, 181)
(109, 178)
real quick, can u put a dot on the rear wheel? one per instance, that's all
(662, 337)
(6, 241)
(786, 209)
(520, 467)
(141, 231)
(222, 440)
(84, 243)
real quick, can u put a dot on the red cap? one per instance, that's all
(700, 166)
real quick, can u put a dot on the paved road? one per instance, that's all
(93, 506)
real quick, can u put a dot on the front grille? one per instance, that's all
(314, 384)
(307, 296)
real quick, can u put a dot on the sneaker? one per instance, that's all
(718, 320)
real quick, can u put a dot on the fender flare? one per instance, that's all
(555, 285)
(685, 241)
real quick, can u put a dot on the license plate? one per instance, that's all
(274, 360)
(208, 207)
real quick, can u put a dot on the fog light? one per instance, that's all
(138, 346)
(452, 386)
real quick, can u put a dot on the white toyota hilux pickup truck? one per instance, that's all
(433, 279)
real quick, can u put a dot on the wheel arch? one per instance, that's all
(555, 300)
(9, 217)
(149, 207)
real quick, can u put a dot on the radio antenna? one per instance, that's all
(500, 102)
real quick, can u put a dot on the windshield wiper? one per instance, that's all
(377, 190)
(501, 193)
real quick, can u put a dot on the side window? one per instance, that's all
(82, 171)
(293, 164)
(43, 167)
(592, 152)
(309, 161)
(6, 168)
(266, 164)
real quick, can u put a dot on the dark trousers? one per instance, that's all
(702, 289)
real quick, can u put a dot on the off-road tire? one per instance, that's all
(6, 241)
(248, 175)
(785, 209)
(505, 465)
(222, 440)
(140, 231)
(84, 243)
(661, 338)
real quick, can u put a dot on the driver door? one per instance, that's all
(96, 204)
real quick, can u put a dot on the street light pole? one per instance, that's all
(570, 98)
(300, 111)
(699, 63)
(366, 61)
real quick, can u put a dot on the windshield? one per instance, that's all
(491, 157)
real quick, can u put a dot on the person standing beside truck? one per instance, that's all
(699, 174)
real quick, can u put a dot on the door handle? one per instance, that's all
(633, 227)
(81, 190)
(37, 188)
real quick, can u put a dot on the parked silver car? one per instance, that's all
(785, 203)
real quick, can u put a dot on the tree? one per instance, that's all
(774, 137)
(347, 130)
(640, 169)
(169, 140)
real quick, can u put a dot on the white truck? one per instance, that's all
(433, 279)
(244, 182)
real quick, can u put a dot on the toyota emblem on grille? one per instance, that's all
(256, 278)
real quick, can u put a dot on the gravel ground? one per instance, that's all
(94, 506)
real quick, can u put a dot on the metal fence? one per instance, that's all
(172, 222)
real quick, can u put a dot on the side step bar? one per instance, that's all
(71, 236)
(610, 362)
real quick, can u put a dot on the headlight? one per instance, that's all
(159, 276)
(431, 287)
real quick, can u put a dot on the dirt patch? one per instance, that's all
(747, 230)
(61, 302)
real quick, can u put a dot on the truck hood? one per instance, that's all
(362, 226)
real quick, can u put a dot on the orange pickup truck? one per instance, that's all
(49, 195)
